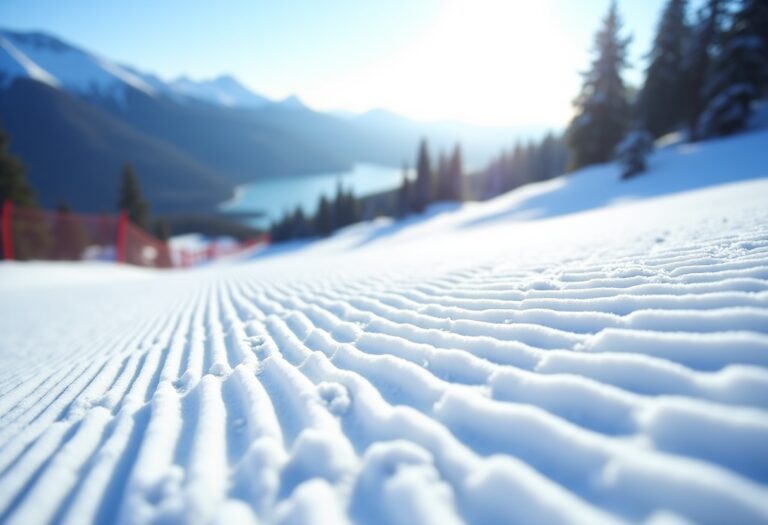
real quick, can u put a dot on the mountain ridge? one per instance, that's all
(219, 131)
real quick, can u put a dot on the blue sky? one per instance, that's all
(500, 62)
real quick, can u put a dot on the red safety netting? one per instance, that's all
(139, 248)
(32, 234)
(58, 236)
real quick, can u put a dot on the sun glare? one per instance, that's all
(483, 61)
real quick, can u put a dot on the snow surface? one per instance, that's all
(578, 351)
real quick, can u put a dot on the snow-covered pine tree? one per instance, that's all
(740, 71)
(633, 151)
(603, 105)
(706, 34)
(660, 104)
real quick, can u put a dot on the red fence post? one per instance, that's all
(7, 230)
(122, 227)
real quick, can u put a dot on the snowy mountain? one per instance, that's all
(577, 351)
(191, 144)
(224, 90)
(218, 131)
(292, 102)
(44, 58)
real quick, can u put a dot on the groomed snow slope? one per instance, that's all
(607, 366)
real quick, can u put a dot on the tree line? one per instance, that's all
(526, 162)
(703, 78)
(440, 178)
(15, 188)
(705, 72)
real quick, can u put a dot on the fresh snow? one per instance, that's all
(15, 64)
(577, 351)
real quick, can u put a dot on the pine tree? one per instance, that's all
(455, 176)
(603, 105)
(518, 167)
(31, 239)
(346, 209)
(299, 225)
(422, 188)
(131, 200)
(404, 194)
(324, 217)
(354, 208)
(13, 183)
(706, 35)
(495, 176)
(529, 162)
(162, 230)
(740, 72)
(661, 102)
(554, 154)
(441, 179)
(339, 206)
(280, 230)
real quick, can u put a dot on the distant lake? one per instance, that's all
(273, 197)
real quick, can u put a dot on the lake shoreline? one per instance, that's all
(272, 198)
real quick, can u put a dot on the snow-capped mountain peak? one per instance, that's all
(14, 63)
(224, 90)
(47, 59)
(293, 102)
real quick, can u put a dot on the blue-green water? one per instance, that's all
(273, 197)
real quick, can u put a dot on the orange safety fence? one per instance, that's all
(33, 234)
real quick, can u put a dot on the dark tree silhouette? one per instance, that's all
(455, 176)
(404, 194)
(422, 188)
(13, 182)
(661, 102)
(603, 109)
(706, 34)
(740, 71)
(324, 217)
(131, 200)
